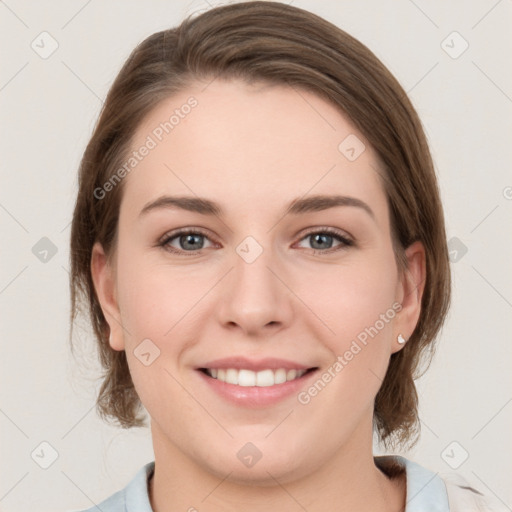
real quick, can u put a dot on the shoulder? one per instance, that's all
(115, 503)
(132, 498)
(465, 496)
(439, 492)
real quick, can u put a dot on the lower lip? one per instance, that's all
(255, 396)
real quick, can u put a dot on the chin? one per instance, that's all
(259, 463)
(263, 473)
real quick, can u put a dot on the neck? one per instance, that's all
(349, 480)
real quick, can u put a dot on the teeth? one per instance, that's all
(280, 376)
(245, 378)
(232, 376)
(262, 379)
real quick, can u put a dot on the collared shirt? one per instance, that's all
(426, 492)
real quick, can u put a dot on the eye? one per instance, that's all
(184, 241)
(191, 241)
(322, 240)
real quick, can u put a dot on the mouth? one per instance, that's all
(244, 377)
(255, 383)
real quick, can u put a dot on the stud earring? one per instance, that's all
(401, 339)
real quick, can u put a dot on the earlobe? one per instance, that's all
(411, 287)
(104, 284)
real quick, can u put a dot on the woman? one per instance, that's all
(259, 237)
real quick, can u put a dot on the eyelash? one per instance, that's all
(345, 241)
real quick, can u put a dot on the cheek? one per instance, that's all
(357, 306)
(351, 299)
(154, 297)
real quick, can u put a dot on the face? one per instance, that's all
(257, 323)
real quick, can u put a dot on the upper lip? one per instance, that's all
(256, 365)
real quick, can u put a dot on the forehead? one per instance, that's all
(250, 146)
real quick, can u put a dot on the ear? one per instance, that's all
(410, 292)
(103, 277)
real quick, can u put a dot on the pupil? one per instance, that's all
(322, 238)
(189, 239)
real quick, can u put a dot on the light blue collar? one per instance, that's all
(426, 491)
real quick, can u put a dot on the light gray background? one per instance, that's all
(49, 107)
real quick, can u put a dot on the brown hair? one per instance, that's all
(277, 44)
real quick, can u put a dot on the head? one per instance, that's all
(255, 106)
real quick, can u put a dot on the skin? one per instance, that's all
(253, 149)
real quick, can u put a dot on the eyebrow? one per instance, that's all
(298, 206)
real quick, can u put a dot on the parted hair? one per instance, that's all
(275, 43)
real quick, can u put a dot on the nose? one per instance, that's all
(255, 297)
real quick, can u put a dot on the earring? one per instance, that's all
(401, 339)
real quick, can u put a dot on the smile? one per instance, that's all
(249, 378)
